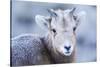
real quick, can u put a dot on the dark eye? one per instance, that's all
(74, 17)
(74, 28)
(55, 15)
(54, 30)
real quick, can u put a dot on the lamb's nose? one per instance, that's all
(67, 48)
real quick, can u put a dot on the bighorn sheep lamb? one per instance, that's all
(58, 46)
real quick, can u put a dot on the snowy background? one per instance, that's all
(22, 21)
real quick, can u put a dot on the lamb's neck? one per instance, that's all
(55, 56)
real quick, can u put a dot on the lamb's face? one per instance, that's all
(62, 30)
(61, 26)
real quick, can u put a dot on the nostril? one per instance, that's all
(67, 48)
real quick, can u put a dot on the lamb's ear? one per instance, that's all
(80, 17)
(42, 21)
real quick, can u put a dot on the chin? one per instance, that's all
(67, 54)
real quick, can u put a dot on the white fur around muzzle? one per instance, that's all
(64, 51)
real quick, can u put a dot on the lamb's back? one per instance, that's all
(28, 50)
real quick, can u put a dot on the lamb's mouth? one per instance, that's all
(68, 53)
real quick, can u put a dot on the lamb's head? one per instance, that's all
(61, 25)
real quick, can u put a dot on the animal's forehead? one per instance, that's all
(63, 15)
(63, 21)
(63, 12)
(59, 10)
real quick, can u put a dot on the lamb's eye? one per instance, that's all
(74, 17)
(74, 28)
(54, 30)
